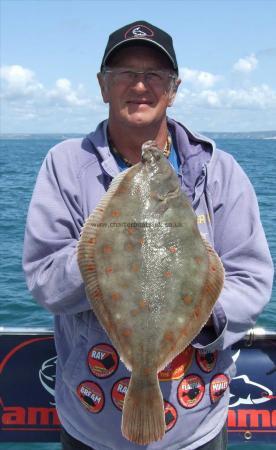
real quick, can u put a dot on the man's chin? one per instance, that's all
(140, 120)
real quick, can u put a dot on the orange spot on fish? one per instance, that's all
(121, 190)
(213, 268)
(169, 336)
(208, 289)
(168, 274)
(91, 267)
(97, 294)
(135, 312)
(143, 304)
(115, 296)
(142, 241)
(115, 213)
(183, 331)
(107, 249)
(187, 299)
(108, 270)
(196, 312)
(198, 259)
(129, 247)
(92, 241)
(130, 230)
(172, 249)
(127, 332)
(135, 267)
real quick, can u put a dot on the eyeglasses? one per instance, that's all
(154, 78)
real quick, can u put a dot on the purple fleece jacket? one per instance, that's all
(74, 176)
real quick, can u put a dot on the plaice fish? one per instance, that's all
(151, 278)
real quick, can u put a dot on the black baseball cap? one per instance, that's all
(144, 32)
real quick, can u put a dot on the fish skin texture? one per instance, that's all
(151, 279)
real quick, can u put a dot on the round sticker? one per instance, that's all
(91, 396)
(119, 391)
(190, 391)
(218, 386)
(103, 360)
(170, 415)
(178, 366)
(206, 361)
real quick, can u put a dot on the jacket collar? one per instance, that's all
(196, 154)
(98, 139)
(195, 151)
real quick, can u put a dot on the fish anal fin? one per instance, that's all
(203, 307)
(215, 279)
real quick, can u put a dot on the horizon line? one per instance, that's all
(27, 133)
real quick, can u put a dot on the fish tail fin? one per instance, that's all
(143, 418)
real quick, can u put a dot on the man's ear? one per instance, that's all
(174, 91)
(103, 86)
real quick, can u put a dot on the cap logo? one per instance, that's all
(139, 31)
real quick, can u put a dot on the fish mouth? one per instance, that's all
(150, 152)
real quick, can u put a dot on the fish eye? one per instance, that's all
(150, 152)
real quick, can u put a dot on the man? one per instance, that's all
(139, 80)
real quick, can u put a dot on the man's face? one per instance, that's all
(139, 102)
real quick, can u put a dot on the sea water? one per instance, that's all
(20, 160)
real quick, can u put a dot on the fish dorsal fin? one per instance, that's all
(90, 226)
(210, 292)
(86, 249)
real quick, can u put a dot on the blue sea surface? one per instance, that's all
(20, 160)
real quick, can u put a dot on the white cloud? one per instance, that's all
(246, 65)
(19, 82)
(28, 102)
(28, 105)
(198, 79)
(256, 97)
(64, 94)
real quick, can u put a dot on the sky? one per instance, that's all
(51, 51)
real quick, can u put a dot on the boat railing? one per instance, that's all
(252, 335)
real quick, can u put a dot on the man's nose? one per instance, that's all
(139, 81)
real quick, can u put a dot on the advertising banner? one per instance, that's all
(27, 385)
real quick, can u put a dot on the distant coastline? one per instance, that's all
(268, 135)
(241, 135)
